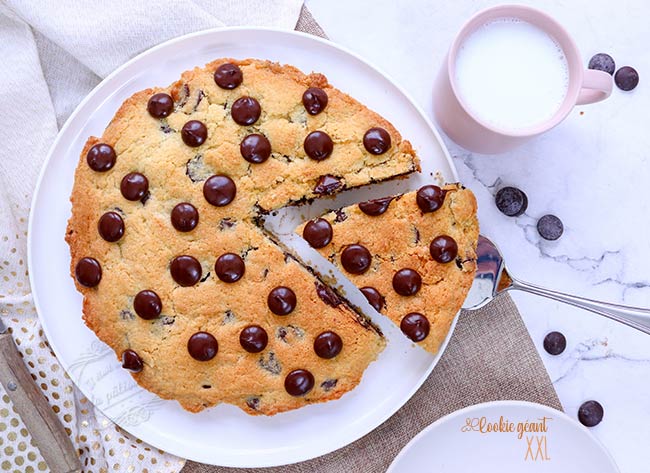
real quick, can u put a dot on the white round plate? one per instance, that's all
(504, 436)
(224, 435)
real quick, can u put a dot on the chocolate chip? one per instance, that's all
(341, 216)
(328, 296)
(228, 76)
(430, 198)
(626, 78)
(160, 105)
(328, 344)
(511, 201)
(111, 226)
(327, 185)
(416, 234)
(375, 207)
(226, 223)
(550, 227)
(88, 272)
(134, 186)
(184, 217)
(590, 413)
(314, 100)
(415, 326)
(407, 282)
(253, 339)
(219, 190)
(299, 382)
(270, 363)
(356, 259)
(255, 148)
(602, 62)
(165, 128)
(554, 343)
(245, 111)
(229, 267)
(196, 169)
(101, 157)
(376, 141)
(199, 97)
(185, 270)
(281, 300)
(167, 320)
(443, 249)
(318, 145)
(147, 304)
(318, 233)
(131, 361)
(126, 314)
(376, 300)
(194, 133)
(328, 384)
(253, 402)
(202, 346)
(145, 197)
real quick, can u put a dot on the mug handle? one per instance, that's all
(596, 86)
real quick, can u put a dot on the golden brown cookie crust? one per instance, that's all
(140, 259)
(400, 238)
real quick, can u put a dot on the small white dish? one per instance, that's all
(466, 440)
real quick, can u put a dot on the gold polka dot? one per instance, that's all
(19, 460)
(6, 465)
(85, 422)
(22, 446)
(5, 398)
(140, 457)
(12, 436)
(31, 456)
(82, 438)
(29, 469)
(130, 469)
(67, 418)
(9, 450)
(42, 466)
(111, 452)
(24, 432)
(56, 409)
(4, 412)
(14, 422)
(67, 404)
(3, 426)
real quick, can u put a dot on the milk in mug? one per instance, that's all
(511, 74)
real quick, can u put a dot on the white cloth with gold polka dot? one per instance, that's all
(54, 52)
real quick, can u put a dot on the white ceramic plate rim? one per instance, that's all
(467, 411)
(166, 442)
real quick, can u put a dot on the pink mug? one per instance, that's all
(463, 127)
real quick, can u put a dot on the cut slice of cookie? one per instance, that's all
(413, 255)
(177, 275)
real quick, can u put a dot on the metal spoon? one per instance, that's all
(492, 278)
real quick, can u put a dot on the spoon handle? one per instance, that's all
(635, 317)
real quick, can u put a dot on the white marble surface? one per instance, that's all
(593, 171)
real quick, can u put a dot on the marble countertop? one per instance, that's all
(593, 171)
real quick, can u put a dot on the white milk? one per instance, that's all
(511, 74)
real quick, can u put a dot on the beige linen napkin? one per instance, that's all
(489, 357)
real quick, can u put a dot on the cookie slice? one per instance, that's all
(412, 255)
